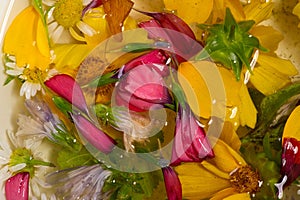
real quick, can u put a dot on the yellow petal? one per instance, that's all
(226, 159)
(223, 194)
(248, 112)
(198, 182)
(69, 56)
(26, 39)
(190, 10)
(220, 6)
(268, 37)
(292, 126)
(258, 11)
(195, 87)
(269, 76)
(229, 136)
(243, 196)
(296, 11)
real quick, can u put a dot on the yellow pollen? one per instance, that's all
(68, 12)
(245, 180)
(34, 75)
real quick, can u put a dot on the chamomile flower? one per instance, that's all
(32, 77)
(17, 156)
(66, 15)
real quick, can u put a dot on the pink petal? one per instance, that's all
(93, 135)
(16, 187)
(190, 142)
(172, 184)
(290, 160)
(150, 59)
(66, 87)
(175, 31)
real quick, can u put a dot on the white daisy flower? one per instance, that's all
(65, 16)
(16, 156)
(84, 182)
(32, 77)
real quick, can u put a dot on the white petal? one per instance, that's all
(86, 2)
(17, 167)
(85, 28)
(57, 33)
(49, 2)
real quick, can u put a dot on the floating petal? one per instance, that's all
(17, 186)
(172, 183)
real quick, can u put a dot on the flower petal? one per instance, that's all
(189, 10)
(16, 187)
(190, 142)
(224, 194)
(66, 87)
(292, 125)
(93, 135)
(199, 182)
(172, 183)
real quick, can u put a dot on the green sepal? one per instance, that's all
(102, 80)
(63, 105)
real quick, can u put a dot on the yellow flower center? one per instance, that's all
(245, 180)
(68, 12)
(34, 75)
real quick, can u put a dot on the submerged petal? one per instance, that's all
(190, 142)
(172, 184)
(66, 87)
(94, 135)
(17, 187)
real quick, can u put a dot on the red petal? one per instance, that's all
(66, 87)
(172, 184)
(93, 135)
(16, 187)
(290, 159)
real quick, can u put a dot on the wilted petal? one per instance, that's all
(66, 87)
(190, 142)
(172, 183)
(16, 187)
(93, 135)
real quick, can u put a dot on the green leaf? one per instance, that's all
(102, 80)
(69, 159)
(63, 105)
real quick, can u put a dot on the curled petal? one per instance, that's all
(190, 142)
(17, 187)
(142, 87)
(172, 184)
(93, 135)
(66, 87)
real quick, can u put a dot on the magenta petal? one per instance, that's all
(290, 157)
(16, 187)
(92, 4)
(190, 142)
(66, 87)
(175, 31)
(172, 184)
(155, 59)
(93, 135)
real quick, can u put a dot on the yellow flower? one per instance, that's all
(269, 75)
(227, 176)
(202, 93)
